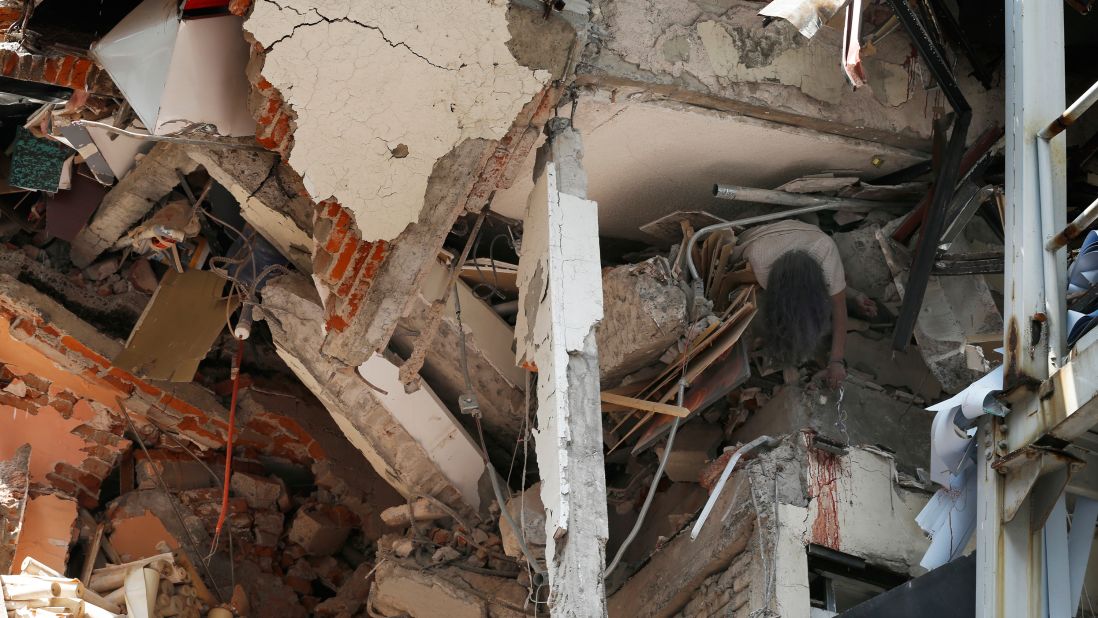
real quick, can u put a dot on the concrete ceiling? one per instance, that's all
(645, 160)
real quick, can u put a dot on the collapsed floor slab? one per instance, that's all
(411, 439)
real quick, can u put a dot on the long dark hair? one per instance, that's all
(796, 309)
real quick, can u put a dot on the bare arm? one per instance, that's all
(836, 365)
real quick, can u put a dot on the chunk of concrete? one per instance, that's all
(529, 513)
(644, 313)
(444, 592)
(260, 492)
(321, 531)
(131, 199)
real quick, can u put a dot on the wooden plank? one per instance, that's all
(641, 404)
(93, 553)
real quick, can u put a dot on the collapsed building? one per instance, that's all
(421, 309)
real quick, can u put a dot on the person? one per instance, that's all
(804, 293)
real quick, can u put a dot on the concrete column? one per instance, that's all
(560, 303)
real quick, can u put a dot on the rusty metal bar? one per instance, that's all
(1071, 114)
(1075, 228)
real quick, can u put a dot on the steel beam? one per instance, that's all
(948, 173)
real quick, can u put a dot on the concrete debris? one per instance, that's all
(14, 483)
(420, 510)
(257, 491)
(526, 509)
(321, 530)
(644, 314)
(444, 592)
(130, 200)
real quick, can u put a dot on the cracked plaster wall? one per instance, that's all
(382, 90)
(719, 48)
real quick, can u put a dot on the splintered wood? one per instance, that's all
(730, 285)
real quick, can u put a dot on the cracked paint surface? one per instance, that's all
(382, 90)
(717, 47)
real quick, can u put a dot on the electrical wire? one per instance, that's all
(235, 376)
(475, 412)
(651, 490)
(171, 500)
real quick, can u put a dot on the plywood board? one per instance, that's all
(178, 327)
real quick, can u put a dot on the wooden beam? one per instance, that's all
(632, 403)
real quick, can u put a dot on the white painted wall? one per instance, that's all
(364, 77)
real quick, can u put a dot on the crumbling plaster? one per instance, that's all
(718, 48)
(382, 90)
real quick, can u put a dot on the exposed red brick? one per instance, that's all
(83, 350)
(61, 483)
(79, 77)
(340, 227)
(53, 66)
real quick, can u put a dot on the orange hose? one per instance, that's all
(235, 376)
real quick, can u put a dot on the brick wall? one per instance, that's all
(69, 71)
(343, 262)
(726, 594)
(68, 375)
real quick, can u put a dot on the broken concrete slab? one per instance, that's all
(498, 383)
(644, 313)
(445, 591)
(14, 482)
(868, 416)
(131, 199)
(400, 438)
(271, 197)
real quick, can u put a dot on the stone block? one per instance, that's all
(258, 491)
(317, 531)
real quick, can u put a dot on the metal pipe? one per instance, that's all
(1055, 304)
(1075, 228)
(745, 221)
(781, 198)
(1071, 114)
(651, 490)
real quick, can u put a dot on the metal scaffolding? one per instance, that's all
(1037, 487)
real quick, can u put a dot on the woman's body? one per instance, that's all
(804, 292)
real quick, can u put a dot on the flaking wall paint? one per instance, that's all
(366, 78)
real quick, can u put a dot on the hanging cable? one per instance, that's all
(468, 404)
(235, 376)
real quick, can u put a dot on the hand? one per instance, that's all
(833, 375)
(867, 307)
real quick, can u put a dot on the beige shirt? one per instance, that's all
(762, 246)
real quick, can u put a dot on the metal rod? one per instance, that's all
(745, 221)
(1075, 228)
(781, 198)
(1071, 114)
(946, 180)
(1053, 272)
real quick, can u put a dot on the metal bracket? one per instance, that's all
(1035, 472)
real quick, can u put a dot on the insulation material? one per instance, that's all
(36, 163)
(67, 212)
(163, 66)
(178, 327)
